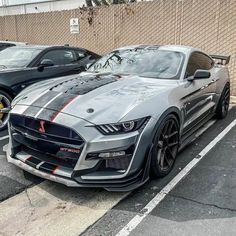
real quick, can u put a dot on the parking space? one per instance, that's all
(202, 201)
(206, 193)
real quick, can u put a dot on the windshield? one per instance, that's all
(155, 63)
(14, 57)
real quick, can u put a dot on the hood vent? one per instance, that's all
(84, 84)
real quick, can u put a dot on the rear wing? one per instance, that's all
(221, 60)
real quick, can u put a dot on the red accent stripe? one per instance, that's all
(28, 158)
(56, 168)
(70, 101)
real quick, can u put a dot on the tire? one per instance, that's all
(5, 103)
(223, 104)
(165, 148)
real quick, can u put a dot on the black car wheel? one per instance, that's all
(223, 105)
(165, 149)
(5, 106)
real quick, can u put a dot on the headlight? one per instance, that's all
(123, 127)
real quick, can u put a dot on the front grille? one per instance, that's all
(57, 145)
(53, 132)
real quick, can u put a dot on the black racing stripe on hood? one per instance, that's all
(39, 103)
(31, 111)
(60, 101)
(56, 106)
(69, 90)
(45, 98)
(47, 114)
(84, 84)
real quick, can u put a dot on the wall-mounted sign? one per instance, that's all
(74, 25)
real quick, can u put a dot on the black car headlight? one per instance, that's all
(123, 127)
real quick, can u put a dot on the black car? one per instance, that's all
(7, 44)
(21, 66)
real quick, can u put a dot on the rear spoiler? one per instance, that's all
(221, 60)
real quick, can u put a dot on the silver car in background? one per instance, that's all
(121, 121)
(7, 44)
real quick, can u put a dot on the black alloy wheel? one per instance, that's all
(166, 146)
(223, 105)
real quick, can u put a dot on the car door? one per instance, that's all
(199, 102)
(64, 63)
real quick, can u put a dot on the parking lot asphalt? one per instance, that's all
(203, 203)
(196, 205)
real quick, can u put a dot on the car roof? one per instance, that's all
(43, 47)
(178, 48)
(12, 42)
(31, 46)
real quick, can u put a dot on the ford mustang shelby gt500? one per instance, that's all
(121, 121)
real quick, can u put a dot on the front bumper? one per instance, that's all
(127, 184)
(85, 173)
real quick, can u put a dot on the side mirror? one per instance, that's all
(45, 63)
(200, 74)
(87, 66)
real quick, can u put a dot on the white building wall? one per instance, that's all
(16, 7)
(19, 2)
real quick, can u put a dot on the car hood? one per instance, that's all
(97, 98)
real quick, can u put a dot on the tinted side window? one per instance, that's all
(93, 56)
(198, 61)
(60, 57)
(80, 55)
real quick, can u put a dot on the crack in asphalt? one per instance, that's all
(32, 211)
(203, 203)
(27, 194)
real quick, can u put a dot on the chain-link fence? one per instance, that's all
(206, 24)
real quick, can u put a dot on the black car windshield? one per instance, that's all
(15, 57)
(147, 62)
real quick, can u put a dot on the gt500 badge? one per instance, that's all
(62, 149)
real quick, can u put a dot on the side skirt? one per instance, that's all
(189, 136)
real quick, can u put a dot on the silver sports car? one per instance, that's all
(120, 122)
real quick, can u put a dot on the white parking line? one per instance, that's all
(163, 193)
(4, 137)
